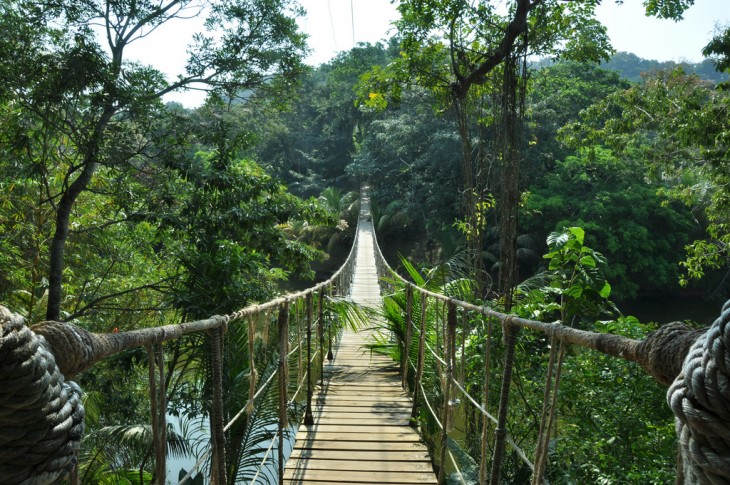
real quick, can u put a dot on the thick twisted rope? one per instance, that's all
(700, 400)
(41, 416)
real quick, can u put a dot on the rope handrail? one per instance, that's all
(434, 354)
(478, 406)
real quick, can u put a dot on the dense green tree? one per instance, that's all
(238, 251)
(558, 93)
(640, 234)
(92, 104)
(677, 124)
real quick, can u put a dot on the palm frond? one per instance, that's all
(344, 313)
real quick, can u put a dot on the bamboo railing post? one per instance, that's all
(154, 411)
(283, 322)
(419, 365)
(161, 458)
(308, 417)
(409, 334)
(320, 335)
(465, 331)
(449, 351)
(501, 431)
(485, 419)
(300, 352)
(542, 432)
(216, 413)
(330, 355)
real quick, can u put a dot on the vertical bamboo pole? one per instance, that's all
(465, 331)
(510, 332)
(300, 352)
(409, 333)
(419, 365)
(283, 382)
(451, 368)
(253, 375)
(485, 419)
(216, 414)
(320, 336)
(308, 417)
(552, 383)
(154, 396)
(541, 444)
(161, 452)
(330, 355)
(74, 475)
(449, 348)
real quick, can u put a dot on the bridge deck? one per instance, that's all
(361, 432)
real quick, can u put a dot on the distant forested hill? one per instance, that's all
(630, 66)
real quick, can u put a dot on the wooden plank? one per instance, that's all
(385, 405)
(315, 454)
(372, 406)
(355, 412)
(355, 429)
(377, 398)
(373, 476)
(361, 419)
(374, 391)
(418, 466)
(359, 446)
(360, 438)
(361, 409)
(366, 384)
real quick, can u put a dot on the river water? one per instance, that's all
(664, 310)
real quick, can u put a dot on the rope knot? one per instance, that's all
(700, 400)
(663, 351)
(72, 346)
(506, 324)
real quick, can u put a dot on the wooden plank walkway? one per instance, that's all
(361, 432)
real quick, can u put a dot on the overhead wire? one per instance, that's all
(352, 21)
(332, 25)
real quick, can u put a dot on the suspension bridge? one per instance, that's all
(366, 418)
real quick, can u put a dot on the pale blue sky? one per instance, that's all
(630, 30)
(329, 24)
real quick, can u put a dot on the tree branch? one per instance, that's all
(516, 27)
(84, 310)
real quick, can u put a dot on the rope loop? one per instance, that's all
(41, 415)
(700, 400)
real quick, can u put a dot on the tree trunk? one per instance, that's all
(58, 245)
(509, 178)
(63, 214)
